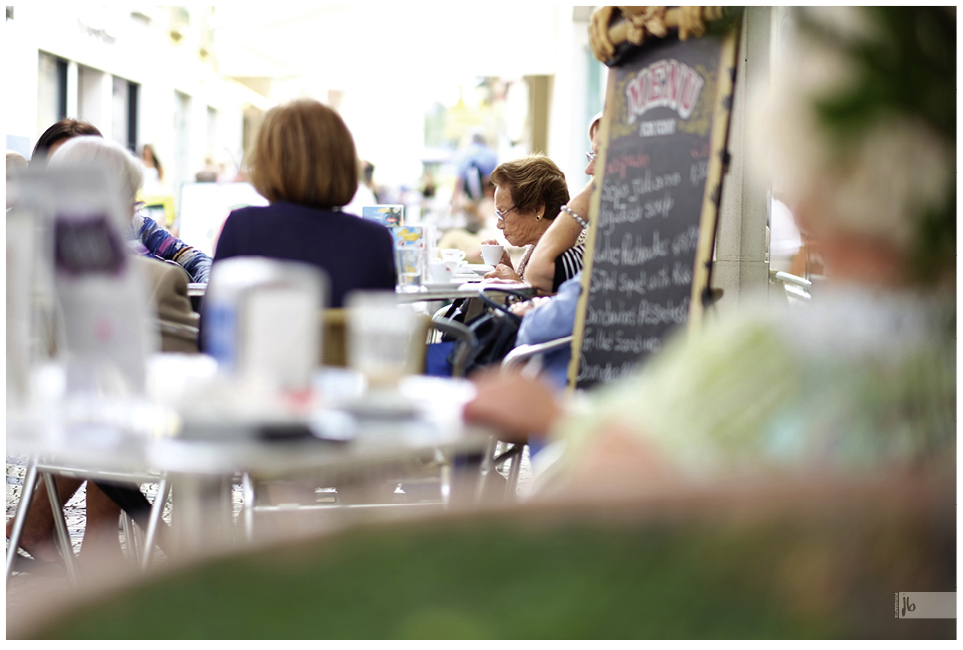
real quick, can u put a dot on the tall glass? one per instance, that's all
(410, 263)
(411, 255)
(385, 339)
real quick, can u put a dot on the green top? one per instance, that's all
(854, 382)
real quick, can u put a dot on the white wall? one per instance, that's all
(18, 110)
(385, 112)
(112, 42)
(568, 125)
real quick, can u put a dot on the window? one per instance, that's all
(51, 91)
(124, 113)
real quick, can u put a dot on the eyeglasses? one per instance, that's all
(501, 215)
(591, 155)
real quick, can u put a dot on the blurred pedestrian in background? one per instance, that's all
(474, 173)
(153, 171)
(365, 195)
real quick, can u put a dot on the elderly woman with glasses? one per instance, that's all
(529, 194)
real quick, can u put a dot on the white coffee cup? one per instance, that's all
(452, 255)
(492, 253)
(441, 271)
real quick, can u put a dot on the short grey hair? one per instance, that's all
(116, 160)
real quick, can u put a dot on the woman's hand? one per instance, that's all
(503, 272)
(512, 404)
(522, 308)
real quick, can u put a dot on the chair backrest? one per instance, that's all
(529, 356)
(465, 340)
(334, 340)
(176, 321)
(798, 290)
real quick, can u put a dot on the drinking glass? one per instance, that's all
(383, 337)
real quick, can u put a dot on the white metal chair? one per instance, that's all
(529, 358)
(798, 290)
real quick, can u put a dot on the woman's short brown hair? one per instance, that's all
(304, 154)
(534, 181)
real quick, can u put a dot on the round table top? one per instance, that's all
(340, 425)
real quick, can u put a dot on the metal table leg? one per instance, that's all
(60, 527)
(487, 465)
(514, 471)
(26, 496)
(248, 506)
(156, 513)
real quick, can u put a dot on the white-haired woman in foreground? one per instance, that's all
(865, 378)
(167, 285)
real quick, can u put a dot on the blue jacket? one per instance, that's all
(355, 253)
(553, 320)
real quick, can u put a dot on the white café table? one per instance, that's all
(430, 293)
(201, 455)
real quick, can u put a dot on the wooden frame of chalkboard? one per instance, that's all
(653, 216)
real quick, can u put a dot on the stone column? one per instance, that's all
(741, 267)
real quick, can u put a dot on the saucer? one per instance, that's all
(480, 269)
(452, 284)
(383, 405)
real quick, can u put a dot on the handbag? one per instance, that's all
(495, 330)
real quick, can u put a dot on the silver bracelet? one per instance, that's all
(582, 222)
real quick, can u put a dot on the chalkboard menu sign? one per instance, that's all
(654, 214)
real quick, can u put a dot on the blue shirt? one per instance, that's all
(355, 253)
(553, 320)
(160, 243)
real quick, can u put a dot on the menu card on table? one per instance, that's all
(386, 215)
